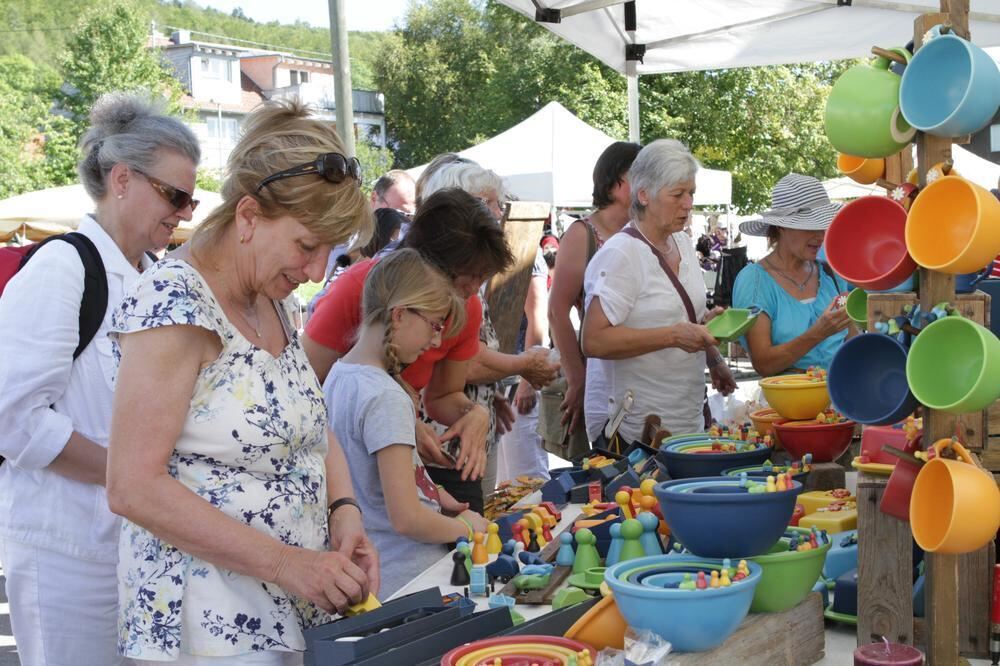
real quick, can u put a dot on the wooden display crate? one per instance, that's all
(795, 636)
(976, 426)
(885, 584)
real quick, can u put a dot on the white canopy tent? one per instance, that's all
(638, 37)
(36, 215)
(550, 156)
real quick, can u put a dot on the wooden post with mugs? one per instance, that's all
(945, 628)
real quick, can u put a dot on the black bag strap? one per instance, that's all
(829, 271)
(94, 304)
(688, 305)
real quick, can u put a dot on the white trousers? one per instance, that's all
(269, 658)
(64, 610)
(521, 449)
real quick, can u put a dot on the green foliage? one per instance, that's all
(26, 92)
(108, 51)
(459, 71)
(208, 181)
(760, 123)
(375, 161)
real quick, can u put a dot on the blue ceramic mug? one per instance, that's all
(966, 282)
(951, 87)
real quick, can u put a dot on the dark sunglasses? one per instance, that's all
(174, 196)
(332, 166)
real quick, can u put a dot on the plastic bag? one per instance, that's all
(642, 648)
(728, 409)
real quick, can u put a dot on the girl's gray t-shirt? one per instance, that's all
(369, 411)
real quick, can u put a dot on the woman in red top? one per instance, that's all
(455, 232)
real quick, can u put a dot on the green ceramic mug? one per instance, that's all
(954, 366)
(857, 307)
(862, 111)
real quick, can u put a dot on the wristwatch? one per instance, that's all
(336, 504)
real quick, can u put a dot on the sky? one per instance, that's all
(361, 14)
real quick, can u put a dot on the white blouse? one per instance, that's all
(634, 292)
(45, 396)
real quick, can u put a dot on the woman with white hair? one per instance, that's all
(646, 301)
(58, 538)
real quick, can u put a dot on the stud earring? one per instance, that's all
(121, 196)
(243, 238)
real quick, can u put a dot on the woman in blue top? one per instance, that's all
(802, 322)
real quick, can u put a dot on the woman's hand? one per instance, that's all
(525, 398)
(472, 429)
(429, 446)
(504, 414)
(537, 370)
(833, 320)
(572, 405)
(477, 521)
(691, 337)
(449, 505)
(712, 314)
(329, 580)
(722, 378)
(348, 537)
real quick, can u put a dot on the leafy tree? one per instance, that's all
(375, 161)
(208, 180)
(760, 123)
(460, 71)
(108, 51)
(26, 92)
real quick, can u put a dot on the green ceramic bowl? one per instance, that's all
(732, 324)
(788, 576)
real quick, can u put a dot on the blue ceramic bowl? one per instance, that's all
(692, 620)
(682, 465)
(867, 380)
(715, 518)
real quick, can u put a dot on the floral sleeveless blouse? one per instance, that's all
(253, 445)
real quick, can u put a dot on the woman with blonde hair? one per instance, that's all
(58, 539)
(407, 307)
(241, 525)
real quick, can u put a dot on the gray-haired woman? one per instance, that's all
(58, 539)
(645, 321)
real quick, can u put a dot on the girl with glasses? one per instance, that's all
(407, 308)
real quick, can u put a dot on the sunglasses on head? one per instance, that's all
(174, 196)
(332, 166)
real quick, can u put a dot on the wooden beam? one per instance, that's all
(942, 570)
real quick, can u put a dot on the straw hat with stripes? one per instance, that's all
(797, 202)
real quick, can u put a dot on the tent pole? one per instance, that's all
(632, 84)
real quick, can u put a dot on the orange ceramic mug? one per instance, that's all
(955, 506)
(860, 169)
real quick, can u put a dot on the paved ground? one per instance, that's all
(8, 651)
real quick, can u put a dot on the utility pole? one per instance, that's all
(342, 75)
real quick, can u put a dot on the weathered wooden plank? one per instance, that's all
(885, 563)
(794, 638)
(506, 292)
